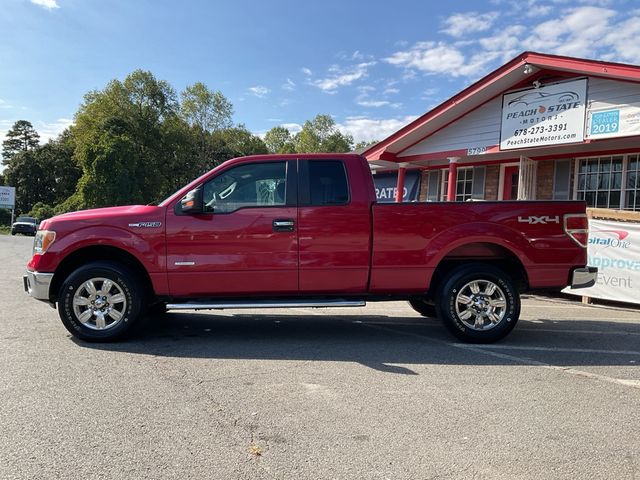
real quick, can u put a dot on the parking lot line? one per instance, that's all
(573, 332)
(551, 349)
(568, 370)
(486, 350)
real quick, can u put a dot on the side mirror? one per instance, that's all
(191, 203)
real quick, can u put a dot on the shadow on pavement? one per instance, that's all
(381, 342)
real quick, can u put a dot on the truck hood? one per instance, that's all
(130, 217)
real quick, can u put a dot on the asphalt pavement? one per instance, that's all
(370, 393)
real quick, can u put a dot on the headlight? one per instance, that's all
(43, 240)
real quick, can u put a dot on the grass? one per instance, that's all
(4, 230)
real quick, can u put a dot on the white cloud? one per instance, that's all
(48, 4)
(367, 129)
(373, 103)
(430, 57)
(391, 91)
(534, 10)
(624, 41)
(292, 127)
(460, 24)
(588, 30)
(341, 77)
(50, 130)
(306, 71)
(259, 91)
(289, 85)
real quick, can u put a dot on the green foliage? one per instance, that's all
(46, 174)
(279, 140)
(41, 211)
(122, 143)
(241, 142)
(20, 138)
(5, 216)
(205, 109)
(322, 135)
(363, 145)
(134, 142)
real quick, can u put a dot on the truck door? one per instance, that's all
(333, 228)
(246, 241)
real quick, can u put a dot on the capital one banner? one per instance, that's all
(549, 115)
(614, 247)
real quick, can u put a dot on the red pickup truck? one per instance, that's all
(304, 231)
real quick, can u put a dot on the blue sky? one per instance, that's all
(372, 65)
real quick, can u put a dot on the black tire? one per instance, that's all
(127, 286)
(156, 309)
(423, 308)
(12, 232)
(457, 289)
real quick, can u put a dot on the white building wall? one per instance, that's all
(481, 127)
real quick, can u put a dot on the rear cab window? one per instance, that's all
(323, 183)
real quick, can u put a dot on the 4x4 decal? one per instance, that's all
(543, 220)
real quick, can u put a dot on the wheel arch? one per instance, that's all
(93, 253)
(485, 252)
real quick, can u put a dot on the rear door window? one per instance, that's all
(324, 183)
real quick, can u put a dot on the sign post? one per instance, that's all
(8, 199)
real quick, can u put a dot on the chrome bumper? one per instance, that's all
(584, 277)
(37, 284)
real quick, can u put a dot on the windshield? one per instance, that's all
(26, 219)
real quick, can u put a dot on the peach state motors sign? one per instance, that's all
(549, 115)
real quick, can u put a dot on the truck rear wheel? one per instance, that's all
(100, 302)
(478, 303)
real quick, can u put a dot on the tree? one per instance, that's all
(279, 140)
(322, 135)
(41, 211)
(364, 144)
(46, 174)
(241, 142)
(205, 112)
(205, 109)
(20, 138)
(128, 142)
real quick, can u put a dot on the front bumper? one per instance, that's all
(37, 284)
(584, 277)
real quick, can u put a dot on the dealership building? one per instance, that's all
(541, 127)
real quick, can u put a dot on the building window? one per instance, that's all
(609, 182)
(469, 184)
(632, 202)
(464, 184)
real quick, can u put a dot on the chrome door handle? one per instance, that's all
(283, 225)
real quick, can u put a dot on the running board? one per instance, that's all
(266, 304)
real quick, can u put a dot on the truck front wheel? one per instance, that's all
(478, 303)
(100, 301)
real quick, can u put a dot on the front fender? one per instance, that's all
(148, 249)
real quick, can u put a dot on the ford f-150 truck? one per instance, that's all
(304, 231)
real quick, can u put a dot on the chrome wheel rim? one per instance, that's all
(99, 303)
(481, 305)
